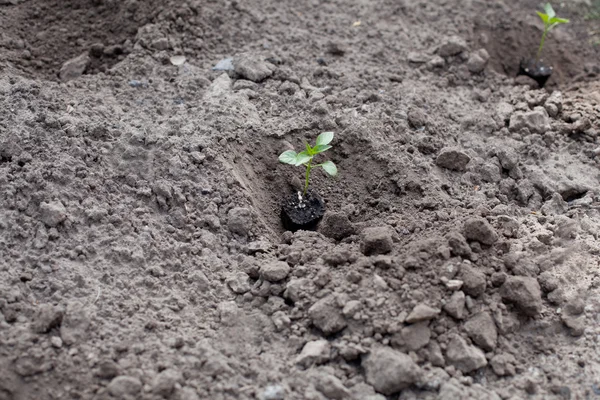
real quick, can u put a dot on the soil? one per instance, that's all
(142, 254)
(302, 212)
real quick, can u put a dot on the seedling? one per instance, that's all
(550, 22)
(306, 157)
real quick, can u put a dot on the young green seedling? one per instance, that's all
(550, 22)
(306, 157)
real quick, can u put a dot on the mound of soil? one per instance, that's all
(142, 255)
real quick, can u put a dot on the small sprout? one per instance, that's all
(306, 157)
(550, 22)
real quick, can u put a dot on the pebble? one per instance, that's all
(481, 328)
(45, 318)
(52, 213)
(376, 240)
(165, 381)
(331, 387)
(389, 371)
(314, 353)
(326, 315)
(524, 293)
(422, 312)
(535, 121)
(479, 229)
(463, 356)
(275, 271)
(474, 281)
(452, 46)
(453, 159)
(239, 282)
(124, 386)
(477, 61)
(252, 67)
(455, 307)
(273, 392)
(239, 220)
(74, 68)
(336, 225)
(225, 64)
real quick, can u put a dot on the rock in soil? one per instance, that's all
(389, 371)
(524, 293)
(453, 159)
(376, 240)
(463, 356)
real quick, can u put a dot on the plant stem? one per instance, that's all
(308, 167)
(539, 53)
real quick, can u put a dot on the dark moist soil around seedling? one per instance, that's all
(535, 69)
(302, 213)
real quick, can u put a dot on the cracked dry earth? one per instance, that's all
(141, 252)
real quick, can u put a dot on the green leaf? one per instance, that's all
(329, 167)
(556, 21)
(543, 16)
(549, 10)
(324, 138)
(288, 157)
(302, 158)
(321, 148)
(309, 149)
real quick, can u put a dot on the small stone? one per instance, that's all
(123, 386)
(336, 226)
(524, 293)
(331, 387)
(453, 159)
(389, 371)
(314, 353)
(535, 121)
(480, 230)
(416, 336)
(474, 282)
(417, 118)
(160, 44)
(458, 244)
(75, 324)
(477, 61)
(56, 341)
(240, 221)
(454, 284)
(273, 392)
(422, 312)
(351, 308)
(376, 240)
(464, 357)
(503, 364)
(575, 324)
(45, 318)
(436, 62)
(452, 46)
(52, 213)
(74, 68)
(239, 282)
(252, 67)
(228, 312)
(455, 307)
(107, 369)
(165, 381)
(482, 331)
(326, 315)
(336, 48)
(275, 271)
(225, 64)
(547, 281)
